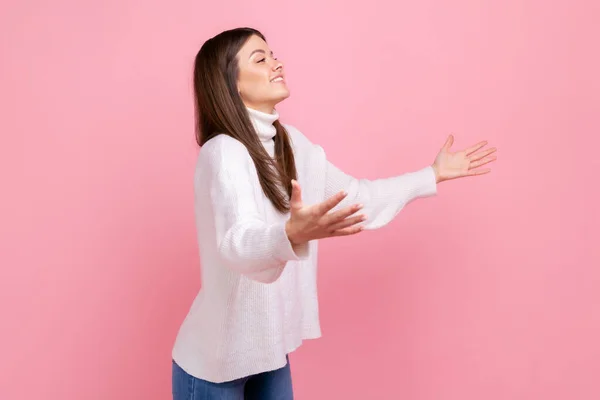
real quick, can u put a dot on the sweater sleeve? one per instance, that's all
(246, 242)
(382, 199)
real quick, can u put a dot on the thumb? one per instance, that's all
(296, 199)
(448, 143)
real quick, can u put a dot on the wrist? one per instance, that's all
(436, 173)
(289, 231)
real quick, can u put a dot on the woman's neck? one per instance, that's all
(263, 125)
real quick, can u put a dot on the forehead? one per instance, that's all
(252, 44)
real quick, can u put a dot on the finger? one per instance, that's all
(476, 147)
(474, 172)
(481, 162)
(449, 142)
(349, 231)
(339, 215)
(348, 222)
(481, 154)
(296, 198)
(325, 206)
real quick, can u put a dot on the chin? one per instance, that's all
(282, 96)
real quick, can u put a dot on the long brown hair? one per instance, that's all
(220, 110)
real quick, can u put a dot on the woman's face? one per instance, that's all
(261, 80)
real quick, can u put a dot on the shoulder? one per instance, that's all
(223, 148)
(298, 139)
(224, 143)
(223, 155)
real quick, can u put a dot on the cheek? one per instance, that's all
(252, 82)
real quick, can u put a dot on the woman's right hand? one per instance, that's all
(316, 222)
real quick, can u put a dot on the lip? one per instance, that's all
(278, 76)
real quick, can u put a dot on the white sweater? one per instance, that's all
(258, 296)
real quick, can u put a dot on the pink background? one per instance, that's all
(489, 291)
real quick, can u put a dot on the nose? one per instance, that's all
(277, 65)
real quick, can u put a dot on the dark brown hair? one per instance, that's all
(220, 110)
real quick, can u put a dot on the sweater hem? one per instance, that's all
(216, 371)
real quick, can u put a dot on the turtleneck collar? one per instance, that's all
(263, 124)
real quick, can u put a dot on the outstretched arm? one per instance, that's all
(382, 199)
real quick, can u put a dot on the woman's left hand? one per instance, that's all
(448, 165)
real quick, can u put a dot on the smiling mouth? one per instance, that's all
(278, 79)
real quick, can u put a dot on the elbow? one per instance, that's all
(257, 269)
(267, 276)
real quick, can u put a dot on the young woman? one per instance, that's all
(264, 195)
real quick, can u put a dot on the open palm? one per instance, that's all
(449, 165)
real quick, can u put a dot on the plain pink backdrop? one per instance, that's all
(489, 291)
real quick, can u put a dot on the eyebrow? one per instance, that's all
(258, 51)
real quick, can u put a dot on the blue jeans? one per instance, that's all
(270, 385)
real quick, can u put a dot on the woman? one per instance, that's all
(264, 195)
